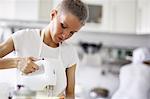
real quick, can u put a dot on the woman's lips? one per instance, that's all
(59, 39)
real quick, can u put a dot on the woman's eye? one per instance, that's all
(62, 25)
(71, 33)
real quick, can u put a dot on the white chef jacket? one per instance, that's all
(134, 82)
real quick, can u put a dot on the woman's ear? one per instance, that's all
(53, 14)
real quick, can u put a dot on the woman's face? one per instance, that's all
(63, 26)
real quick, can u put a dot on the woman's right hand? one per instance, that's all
(26, 65)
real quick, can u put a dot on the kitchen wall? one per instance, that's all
(113, 40)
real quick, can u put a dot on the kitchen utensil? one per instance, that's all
(39, 79)
(97, 93)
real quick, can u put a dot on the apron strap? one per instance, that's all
(41, 44)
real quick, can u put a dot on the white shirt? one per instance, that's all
(134, 82)
(29, 43)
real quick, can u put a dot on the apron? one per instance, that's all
(55, 57)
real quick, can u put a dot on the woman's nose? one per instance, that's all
(65, 34)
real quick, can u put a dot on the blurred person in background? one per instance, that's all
(31, 44)
(135, 77)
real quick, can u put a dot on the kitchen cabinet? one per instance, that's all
(123, 16)
(118, 16)
(7, 9)
(32, 10)
(143, 17)
(99, 20)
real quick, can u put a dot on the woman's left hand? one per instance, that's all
(27, 65)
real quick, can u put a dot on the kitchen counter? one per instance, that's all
(89, 77)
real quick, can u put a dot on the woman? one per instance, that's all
(30, 44)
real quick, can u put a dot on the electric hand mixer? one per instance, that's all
(38, 80)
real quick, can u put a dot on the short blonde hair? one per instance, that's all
(75, 7)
